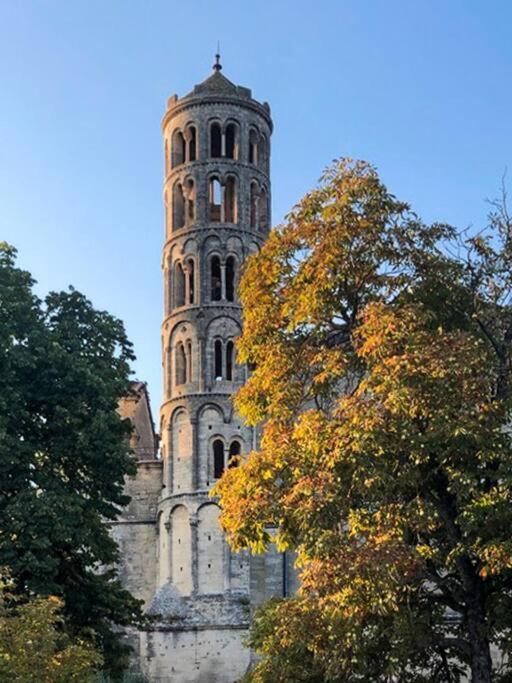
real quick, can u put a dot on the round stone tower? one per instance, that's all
(217, 211)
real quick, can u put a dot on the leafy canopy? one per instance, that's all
(63, 452)
(382, 367)
(33, 646)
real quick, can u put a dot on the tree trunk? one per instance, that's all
(481, 663)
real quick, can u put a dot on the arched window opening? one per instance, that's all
(235, 449)
(215, 140)
(253, 147)
(263, 211)
(218, 458)
(191, 200)
(230, 278)
(262, 152)
(168, 377)
(181, 364)
(254, 205)
(231, 141)
(215, 200)
(178, 204)
(179, 285)
(230, 353)
(190, 281)
(169, 289)
(189, 360)
(178, 148)
(216, 282)
(230, 195)
(218, 359)
(192, 143)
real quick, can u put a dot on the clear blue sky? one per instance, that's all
(420, 88)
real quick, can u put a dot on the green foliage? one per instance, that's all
(63, 452)
(383, 374)
(34, 648)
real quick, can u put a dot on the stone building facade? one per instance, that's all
(174, 555)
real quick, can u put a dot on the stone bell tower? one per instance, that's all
(217, 211)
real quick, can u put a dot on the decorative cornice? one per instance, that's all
(232, 164)
(213, 227)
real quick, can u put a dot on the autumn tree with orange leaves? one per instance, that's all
(381, 349)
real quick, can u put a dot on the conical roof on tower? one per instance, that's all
(218, 83)
(217, 87)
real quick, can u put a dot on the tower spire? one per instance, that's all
(217, 66)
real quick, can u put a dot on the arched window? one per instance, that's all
(253, 146)
(181, 364)
(168, 378)
(254, 205)
(230, 278)
(190, 281)
(216, 281)
(192, 143)
(235, 449)
(230, 212)
(179, 285)
(190, 196)
(178, 206)
(215, 140)
(230, 353)
(218, 458)
(218, 359)
(262, 152)
(189, 360)
(231, 141)
(169, 288)
(263, 210)
(178, 148)
(215, 200)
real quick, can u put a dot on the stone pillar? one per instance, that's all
(201, 366)
(195, 453)
(187, 285)
(222, 203)
(223, 281)
(170, 465)
(194, 544)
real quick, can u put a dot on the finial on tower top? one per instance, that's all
(217, 66)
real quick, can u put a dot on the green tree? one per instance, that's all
(381, 349)
(63, 453)
(33, 646)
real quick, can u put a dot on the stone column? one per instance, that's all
(195, 453)
(165, 561)
(222, 203)
(187, 285)
(168, 478)
(201, 363)
(194, 546)
(223, 281)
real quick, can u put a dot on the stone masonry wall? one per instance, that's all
(136, 531)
